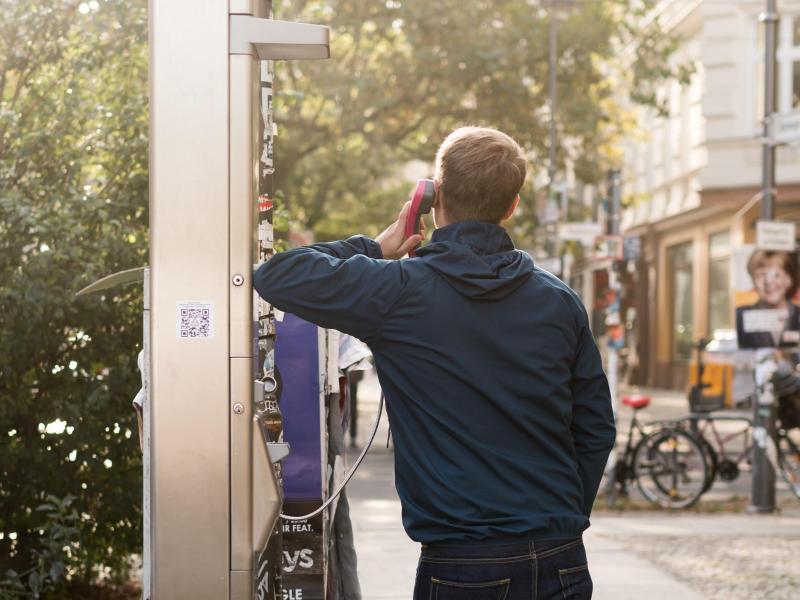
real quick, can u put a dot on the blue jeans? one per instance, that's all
(544, 570)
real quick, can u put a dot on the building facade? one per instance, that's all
(692, 176)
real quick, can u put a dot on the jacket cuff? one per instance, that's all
(366, 246)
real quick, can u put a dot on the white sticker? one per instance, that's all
(776, 236)
(757, 320)
(195, 320)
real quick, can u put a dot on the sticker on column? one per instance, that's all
(195, 320)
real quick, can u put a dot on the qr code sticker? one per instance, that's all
(195, 320)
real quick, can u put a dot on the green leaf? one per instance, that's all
(56, 570)
(35, 583)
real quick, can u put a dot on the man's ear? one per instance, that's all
(512, 208)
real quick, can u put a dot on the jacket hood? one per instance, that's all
(478, 259)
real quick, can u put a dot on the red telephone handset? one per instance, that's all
(421, 204)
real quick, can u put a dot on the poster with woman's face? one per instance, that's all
(766, 285)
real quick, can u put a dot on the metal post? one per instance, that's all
(551, 85)
(762, 498)
(615, 201)
(770, 20)
(763, 483)
(552, 242)
(613, 318)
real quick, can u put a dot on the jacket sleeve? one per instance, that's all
(339, 285)
(593, 428)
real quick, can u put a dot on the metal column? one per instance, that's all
(189, 258)
(763, 486)
(214, 498)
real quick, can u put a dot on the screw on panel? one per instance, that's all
(238, 408)
(238, 280)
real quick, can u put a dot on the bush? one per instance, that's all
(73, 207)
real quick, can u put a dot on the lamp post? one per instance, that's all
(770, 20)
(556, 9)
(552, 93)
(762, 499)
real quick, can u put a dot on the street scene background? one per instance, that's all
(714, 550)
(664, 188)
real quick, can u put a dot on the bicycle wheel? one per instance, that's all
(712, 461)
(789, 459)
(671, 468)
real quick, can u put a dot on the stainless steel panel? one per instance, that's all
(147, 550)
(242, 7)
(278, 40)
(244, 85)
(266, 494)
(241, 585)
(242, 464)
(256, 8)
(189, 263)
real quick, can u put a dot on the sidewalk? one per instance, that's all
(632, 555)
(387, 558)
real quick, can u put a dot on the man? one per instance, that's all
(498, 404)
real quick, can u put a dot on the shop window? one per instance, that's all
(679, 259)
(720, 315)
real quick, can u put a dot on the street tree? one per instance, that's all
(73, 207)
(404, 73)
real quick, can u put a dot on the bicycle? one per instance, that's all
(668, 464)
(725, 464)
(788, 447)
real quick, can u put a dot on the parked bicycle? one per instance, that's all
(725, 457)
(668, 464)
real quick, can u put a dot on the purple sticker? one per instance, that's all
(297, 359)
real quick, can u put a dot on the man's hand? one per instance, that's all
(392, 241)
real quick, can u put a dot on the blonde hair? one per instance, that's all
(787, 261)
(480, 171)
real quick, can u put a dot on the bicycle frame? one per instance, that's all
(708, 423)
(623, 469)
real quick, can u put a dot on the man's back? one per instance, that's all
(496, 397)
(497, 400)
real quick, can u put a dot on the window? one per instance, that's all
(787, 65)
(719, 295)
(679, 259)
(796, 84)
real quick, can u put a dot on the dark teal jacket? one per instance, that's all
(497, 400)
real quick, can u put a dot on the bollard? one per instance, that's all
(762, 499)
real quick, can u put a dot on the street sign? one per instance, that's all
(608, 246)
(786, 127)
(775, 235)
(632, 247)
(583, 232)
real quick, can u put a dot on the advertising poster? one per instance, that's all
(296, 353)
(766, 297)
(303, 563)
